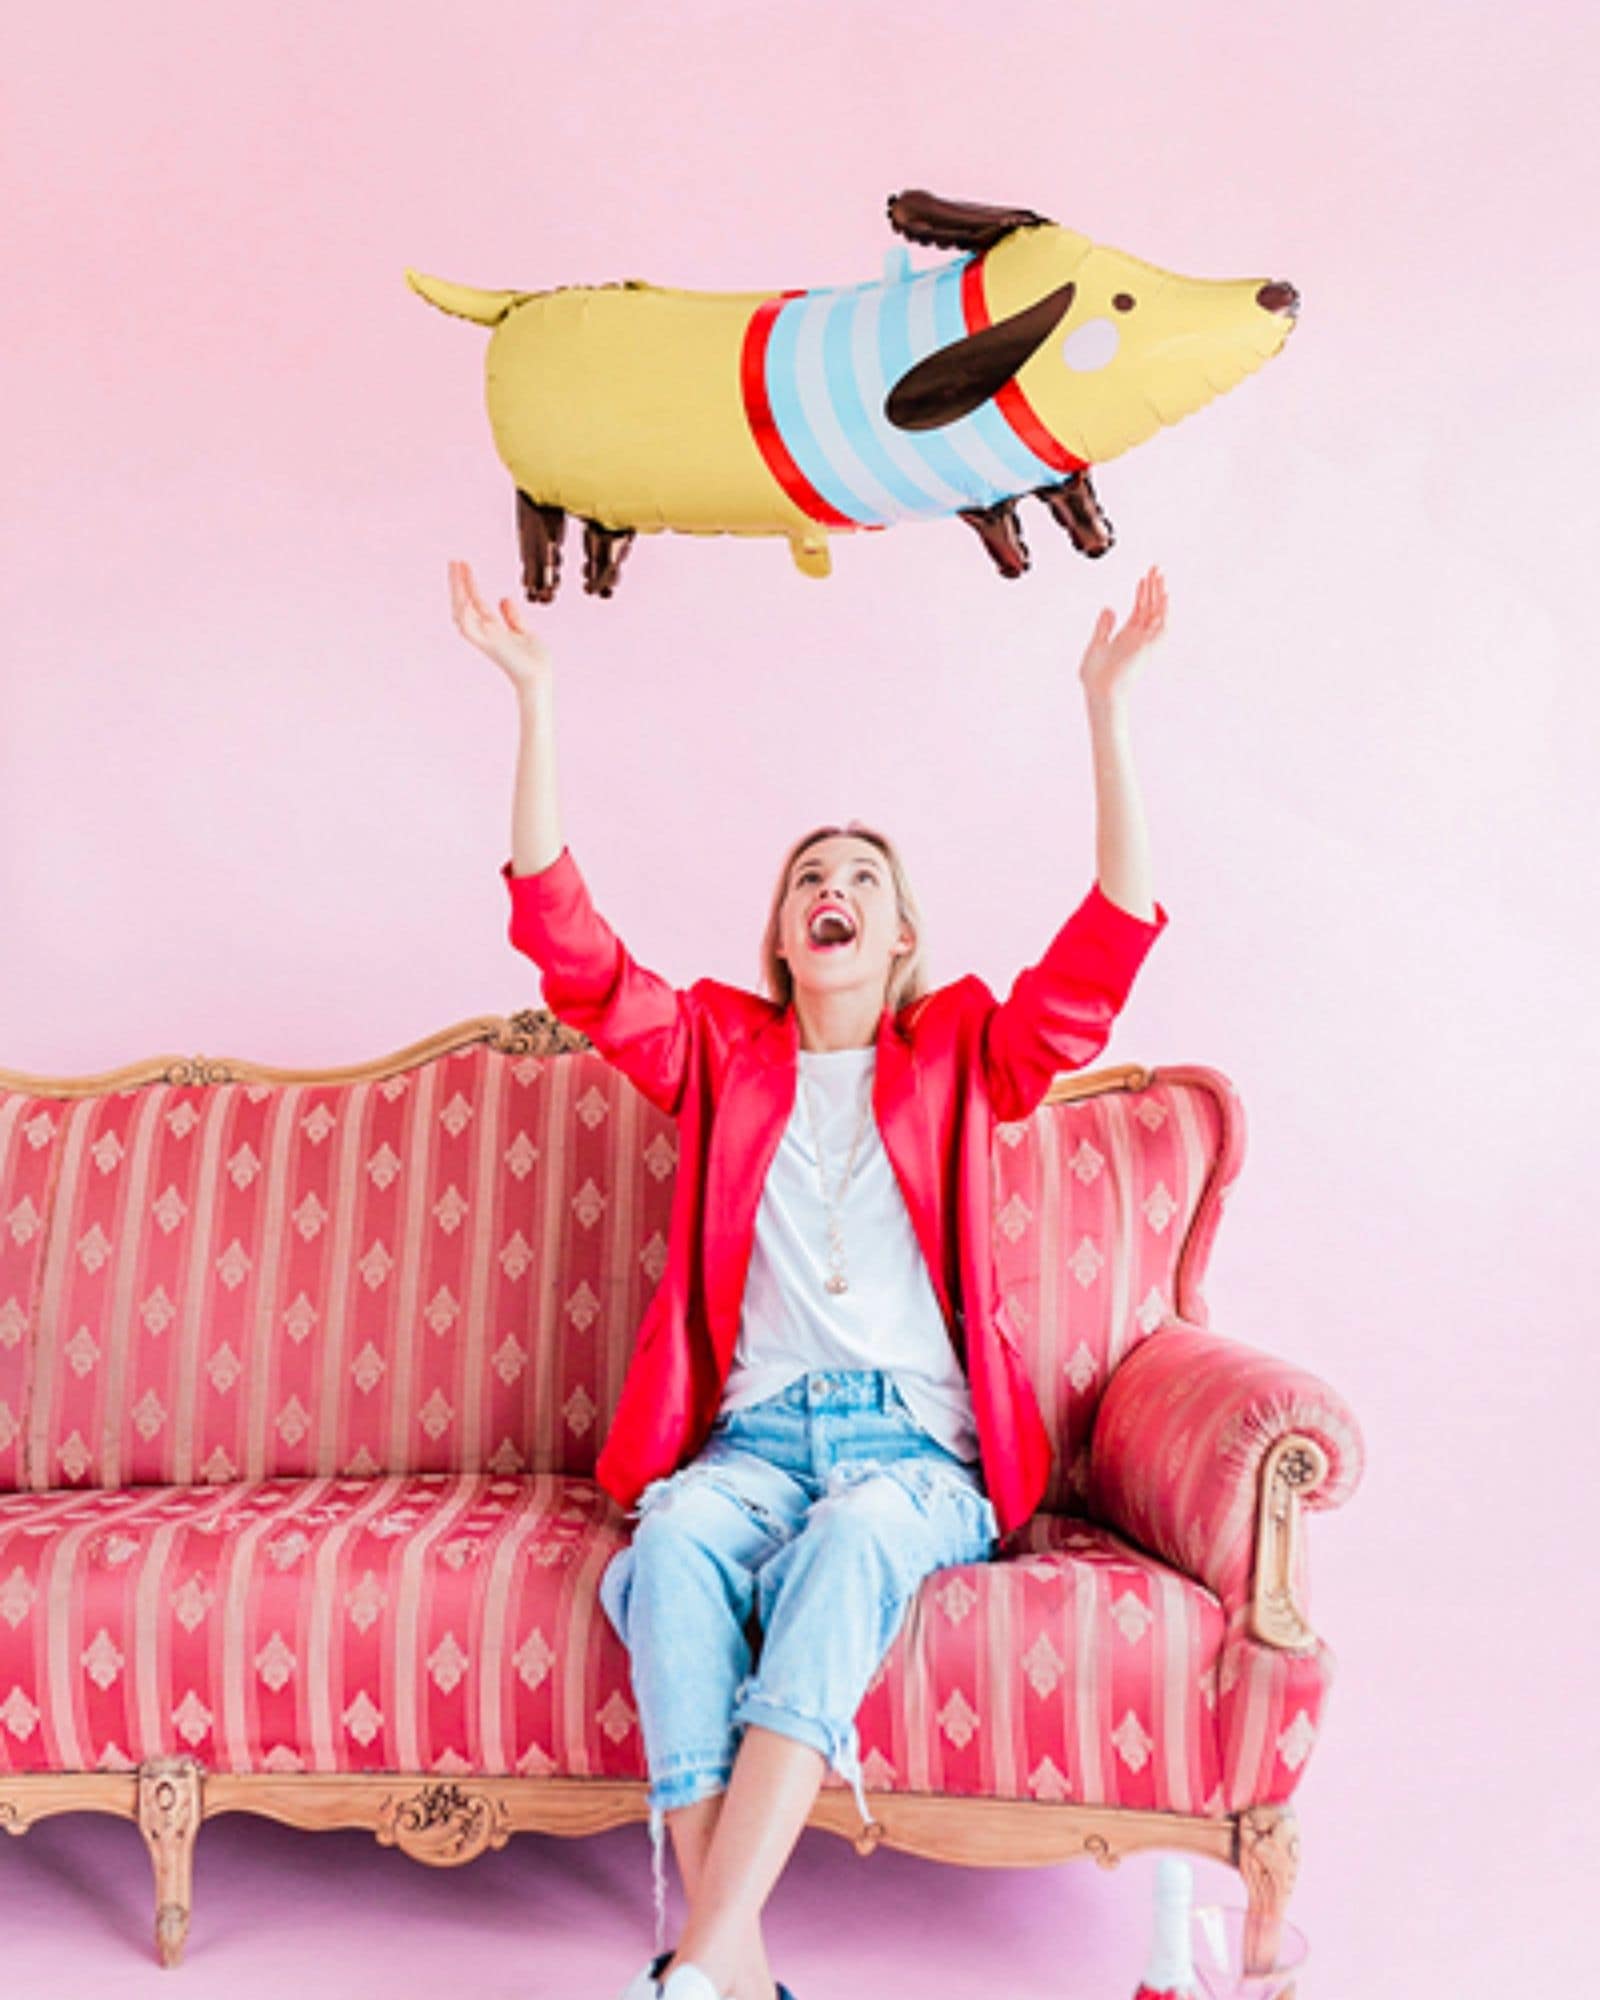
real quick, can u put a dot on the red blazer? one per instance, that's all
(722, 1062)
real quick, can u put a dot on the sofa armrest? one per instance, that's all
(1206, 1450)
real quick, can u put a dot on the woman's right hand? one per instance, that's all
(521, 654)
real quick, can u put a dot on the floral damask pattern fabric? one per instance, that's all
(1269, 1711)
(1102, 1207)
(438, 1272)
(420, 1622)
(443, 1271)
(1074, 1669)
(30, 1130)
(302, 1385)
(450, 1623)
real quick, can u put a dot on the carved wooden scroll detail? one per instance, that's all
(1269, 1861)
(184, 1071)
(537, 1032)
(443, 1825)
(1295, 1466)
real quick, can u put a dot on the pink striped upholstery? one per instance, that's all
(310, 1381)
(439, 1272)
(30, 1131)
(1077, 1669)
(1270, 1706)
(1182, 1433)
(449, 1622)
(420, 1622)
(1184, 1428)
(263, 1281)
(1105, 1210)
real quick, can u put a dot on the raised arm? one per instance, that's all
(1122, 842)
(635, 1018)
(1060, 1012)
(524, 658)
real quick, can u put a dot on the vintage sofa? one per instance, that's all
(302, 1377)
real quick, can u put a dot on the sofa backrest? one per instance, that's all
(431, 1272)
(29, 1130)
(1106, 1206)
(442, 1269)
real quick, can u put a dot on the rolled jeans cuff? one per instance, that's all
(689, 1784)
(837, 1745)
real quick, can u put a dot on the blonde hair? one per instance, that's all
(908, 979)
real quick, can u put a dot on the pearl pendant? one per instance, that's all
(838, 1282)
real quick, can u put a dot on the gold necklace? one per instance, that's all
(836, 1281)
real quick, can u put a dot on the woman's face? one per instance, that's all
(838, 927)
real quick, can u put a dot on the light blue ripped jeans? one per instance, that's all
(820, 1509)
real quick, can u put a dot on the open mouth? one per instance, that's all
(830, 928)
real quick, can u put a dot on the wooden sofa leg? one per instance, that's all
(169, 1819)
(1269, 1860)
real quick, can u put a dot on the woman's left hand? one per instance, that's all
(1111, 657)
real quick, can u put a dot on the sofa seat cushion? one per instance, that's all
(451, 1623)
(1074, 1667)
(423, 1622)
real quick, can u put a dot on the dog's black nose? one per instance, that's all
(1279, 297)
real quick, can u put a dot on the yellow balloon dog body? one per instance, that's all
(1006, 371)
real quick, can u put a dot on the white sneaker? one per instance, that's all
(646, 1982)
(643, 1985)
(688, 1982)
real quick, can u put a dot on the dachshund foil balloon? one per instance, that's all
(1008, 370)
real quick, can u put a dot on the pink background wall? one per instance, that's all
(254, 790)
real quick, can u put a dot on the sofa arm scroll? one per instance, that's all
(1205, 1452)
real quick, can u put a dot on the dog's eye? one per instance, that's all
(1124, 302)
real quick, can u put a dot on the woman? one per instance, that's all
(825, 1402)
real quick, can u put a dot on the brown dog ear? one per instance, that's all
(955, 225)
(953, 382)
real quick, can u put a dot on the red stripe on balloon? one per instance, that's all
(1018, 412)
(758, 412)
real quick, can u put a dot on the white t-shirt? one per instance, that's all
(889, 1317)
